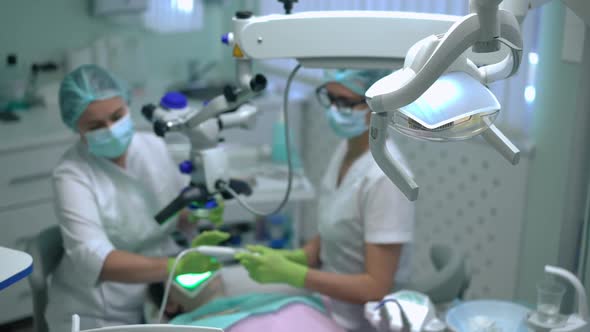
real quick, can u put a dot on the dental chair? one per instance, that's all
(450, 280)
(47, 250)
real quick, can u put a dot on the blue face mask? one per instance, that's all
(347, 123)
(111, 142)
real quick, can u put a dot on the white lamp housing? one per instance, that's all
(455, 107)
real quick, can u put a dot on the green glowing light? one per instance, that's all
(193, 280)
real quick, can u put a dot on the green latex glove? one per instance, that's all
(209, 238)
(269, 267)
(214, 215)
(296, 256)
(193, 262)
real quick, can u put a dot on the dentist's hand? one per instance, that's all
(270, 267)
(296, 256)
(193, 262)
(210, 238)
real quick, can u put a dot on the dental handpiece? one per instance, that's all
(219, 252)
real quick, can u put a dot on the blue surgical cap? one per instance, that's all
(84, 85)
(358, 81)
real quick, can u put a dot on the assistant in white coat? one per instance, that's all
(365, 209)
(365, 222)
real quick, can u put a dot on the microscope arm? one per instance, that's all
(191, 194)
(199, 194)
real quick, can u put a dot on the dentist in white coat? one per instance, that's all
(108, 186)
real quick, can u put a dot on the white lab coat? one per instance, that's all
(366, 208)
(102, 207)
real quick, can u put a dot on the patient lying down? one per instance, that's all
(248, 312)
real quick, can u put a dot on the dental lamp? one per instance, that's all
(421, 100)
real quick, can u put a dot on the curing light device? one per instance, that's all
(195, 289)
(192, 281)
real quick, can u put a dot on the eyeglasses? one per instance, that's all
(327, 100)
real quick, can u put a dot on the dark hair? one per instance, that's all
(156, 293)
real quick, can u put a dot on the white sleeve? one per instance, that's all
(84, 238)
(388, 216)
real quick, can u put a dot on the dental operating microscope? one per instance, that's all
(207, 166)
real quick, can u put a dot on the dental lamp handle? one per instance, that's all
(393, 168)
(580, 291)
(502, 144)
